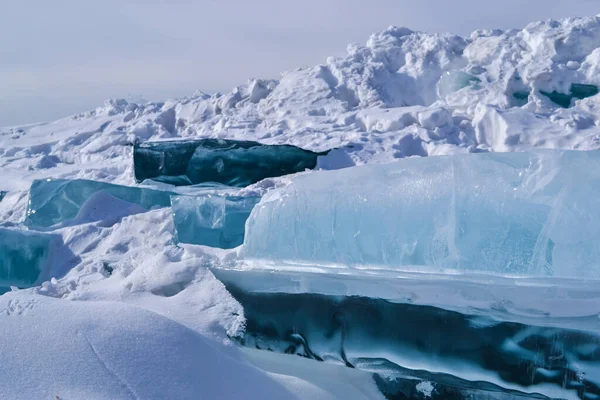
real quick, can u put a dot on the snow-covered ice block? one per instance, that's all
(231, 162)
(526, 214)
(58, 201)
(212, 220)
(24, 256)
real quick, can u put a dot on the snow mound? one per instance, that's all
(106, 350)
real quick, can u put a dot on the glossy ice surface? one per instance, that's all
(212, 220)
(56, 201)
(530, 214)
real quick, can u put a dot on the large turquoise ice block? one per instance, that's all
(24, 256)
(58, 201)
(212, 220)
(533, 214)
(230, 162)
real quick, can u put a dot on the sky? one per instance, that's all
(62, 57)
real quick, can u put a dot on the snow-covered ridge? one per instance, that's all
(380, 102)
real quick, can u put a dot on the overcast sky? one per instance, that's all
(61, 57)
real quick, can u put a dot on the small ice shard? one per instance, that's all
(23, 256)
(528, 214)
(212, 220)
(58, 201)
(453, 81)
(230, 162)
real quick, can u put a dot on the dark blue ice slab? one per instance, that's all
(230, 162)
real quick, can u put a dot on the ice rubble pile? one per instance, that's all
(206, 214)
(401, 94)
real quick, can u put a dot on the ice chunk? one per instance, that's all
(57, 201)
(231, 162)
(2, 194)
(577, 91)
(23, 256)
(532, 214)
(212, 220)
(371, 334)
(561, 99)
(453, 81)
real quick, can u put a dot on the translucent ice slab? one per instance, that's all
(58, 201)
(516, 214)
(230, 162)
(212, 220)
(24, 256)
